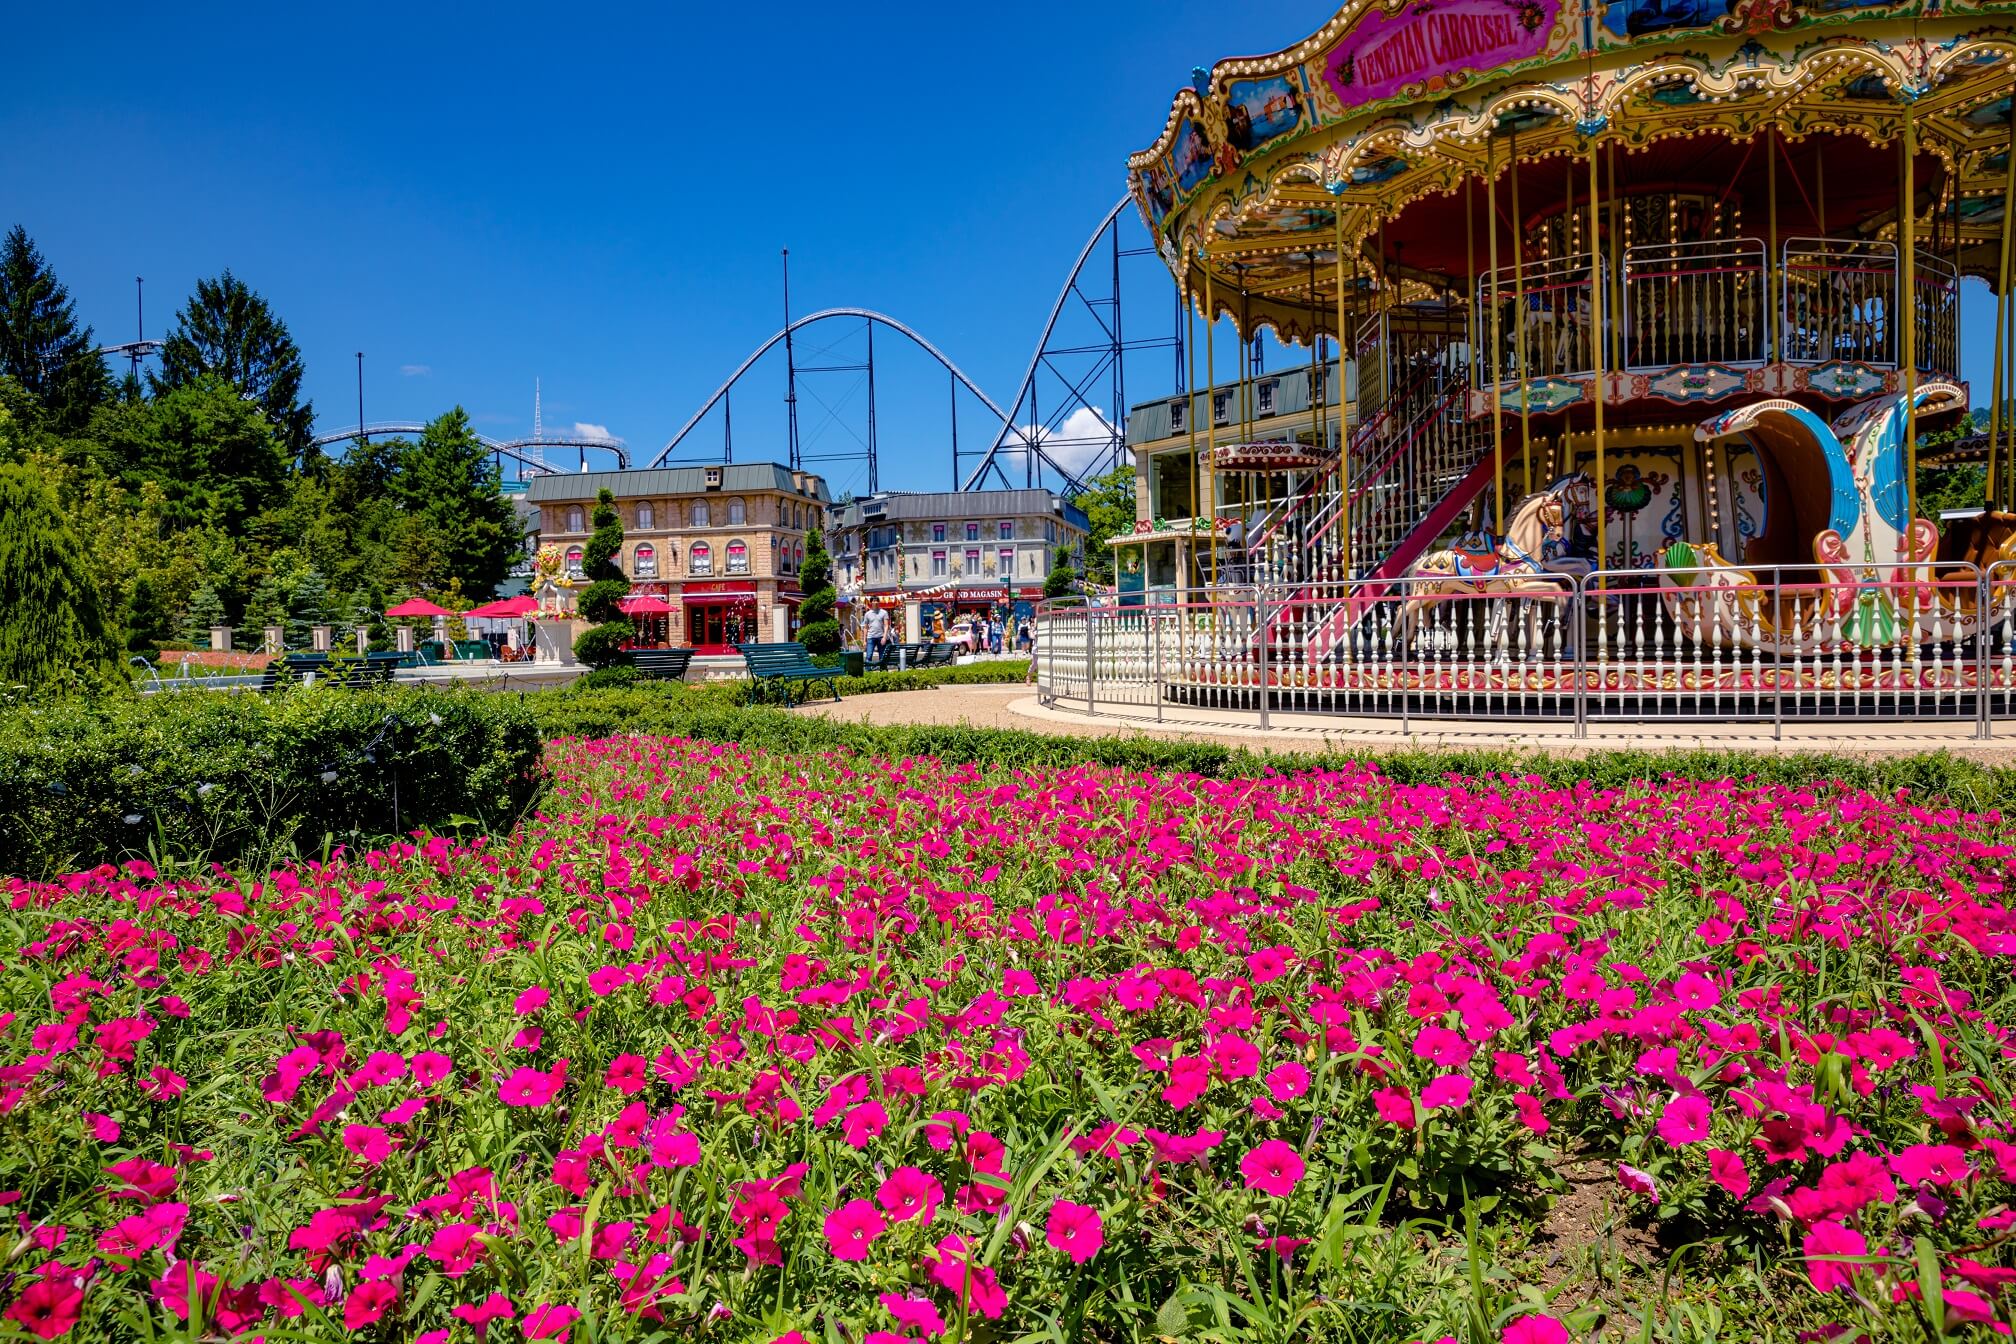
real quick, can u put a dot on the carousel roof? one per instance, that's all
(1279, 455)
(1361, 138)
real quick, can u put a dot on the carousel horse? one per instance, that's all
(1983, 541)
(1535, 557)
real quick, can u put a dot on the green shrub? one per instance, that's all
(598, 600)
(602, 645)
(608, 678)
(227, 777)
(820, 637)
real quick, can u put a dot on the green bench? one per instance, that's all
(348, 673)
(937, 655)
(780, 667)
(659, 664)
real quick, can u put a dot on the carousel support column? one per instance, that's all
(1616, 267)
(1470, 332)
(1344, 352)
(1995, 413)
(1519, 306)
(1907, 234)
(1771, 220)
(1596, 330)
(1207, 503)
(1497, 345)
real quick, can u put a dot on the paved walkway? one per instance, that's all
(1016, 707)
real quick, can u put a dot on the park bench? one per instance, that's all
(890, 657)
(938, 655)
(779, 667)
(350, 674)
(659, 664)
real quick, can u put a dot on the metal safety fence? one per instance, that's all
(1763, 645)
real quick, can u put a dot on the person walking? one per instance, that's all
(878, 633)
(994, 634)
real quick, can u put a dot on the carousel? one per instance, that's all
(1649, 307)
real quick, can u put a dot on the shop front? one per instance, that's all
(719, 616)
(946, 611)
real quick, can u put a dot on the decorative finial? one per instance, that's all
(1200, 80)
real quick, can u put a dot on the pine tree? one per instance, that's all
(227, 330)
(267, 606)
(42, 347)
(206, 612)
(450, 485)
(146, 616)
(817, 630)
(309, 605)
(55, 638)
(607, 583)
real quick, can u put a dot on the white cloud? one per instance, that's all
(1085, 437)
(584, 430)
(415, 370)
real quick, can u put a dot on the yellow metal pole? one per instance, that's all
(1596, 306)
(1206, 505)
(1497, 343)
(1771, 214)
(1995, 416)
(1907, 219)
(1190, 419)
(1470, 267)
(1519, 303)
(1344, 352)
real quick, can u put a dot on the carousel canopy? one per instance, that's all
(1269, 457)
(1290, 184)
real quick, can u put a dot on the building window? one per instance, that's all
(1267, 398)
(1318, 387)
(646, 515)
(1006, 566)
(573, 562)
(972, 531)
(574, 519)
(700, 513)
(646, 563)
(1007, 530)
(737, 514)
(1177, 410)
(1050, 531)
(937, 564)
(1218, 404)
(973, 560)
(937, 531)
(738, 557)
(703, 558)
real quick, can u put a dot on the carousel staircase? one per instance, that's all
(1416, 465)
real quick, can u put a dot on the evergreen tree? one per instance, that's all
(55, 638)
(227, 330)
(309, 605)
(450, 486)
(267, 606)
(206, 612)
(1062, 580)
(817, 630)
(146, 616)
(42, 347)
(607, 585)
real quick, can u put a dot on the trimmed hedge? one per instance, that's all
(600, 714)
(237, 777)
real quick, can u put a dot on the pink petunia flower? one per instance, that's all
(1395, 1106)
(1272, 1168)
(910, 1193)
(1685, 1120)
(852, 1228)
(1287, 1081)
(1449, 1091)
(1828, 1239)
(1075, 1230)
(1534, 1329)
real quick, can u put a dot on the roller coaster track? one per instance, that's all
(518, 450)
(1042, 442)
(870, 316)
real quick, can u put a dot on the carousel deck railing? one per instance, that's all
(1696, 303)
(1770, 645)
(1723, 301)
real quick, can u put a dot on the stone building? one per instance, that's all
(721, 544)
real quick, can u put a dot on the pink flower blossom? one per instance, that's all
(1272, 1168)
(852, 1228)
(1685, 1120)
(1075, 1230)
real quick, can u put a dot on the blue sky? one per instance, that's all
(597, 198)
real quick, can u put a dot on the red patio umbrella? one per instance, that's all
(644, 604)
(504, 608)
(418, 606)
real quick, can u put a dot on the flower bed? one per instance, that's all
(736, 1046)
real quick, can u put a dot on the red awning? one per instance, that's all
(418, 606)
(644, 604)
(504, 608)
